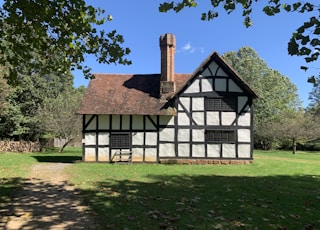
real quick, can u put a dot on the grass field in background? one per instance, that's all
(278, 191)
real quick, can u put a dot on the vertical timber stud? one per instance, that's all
(83, 136)
(110, 129)
(251, 128)
(97, 137)
(190, 128)
(237, 128)
(158, 138)
(144, 139)
(205, 127)
(176, 126)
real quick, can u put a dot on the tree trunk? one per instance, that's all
(65, 144)
(294, 145)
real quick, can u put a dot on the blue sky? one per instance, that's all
(141, 25)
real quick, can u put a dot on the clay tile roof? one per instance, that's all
(127, 94)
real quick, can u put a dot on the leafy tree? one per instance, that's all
(303, 42)
(297, 126)
(4, 91)
(24, 99)
(55, 35)
(314, 97)
(58, 115)
(277, 94)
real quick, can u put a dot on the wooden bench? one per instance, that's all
(122, 156)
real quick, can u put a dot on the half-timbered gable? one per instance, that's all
(206, 115)
(214, 115)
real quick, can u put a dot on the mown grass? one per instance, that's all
(278, 191)
(13, 167)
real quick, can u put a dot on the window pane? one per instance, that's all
(221, 104)
(220, 136)
(120, 140)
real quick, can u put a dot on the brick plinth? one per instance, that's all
(205, 161)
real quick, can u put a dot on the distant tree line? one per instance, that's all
(280, 121)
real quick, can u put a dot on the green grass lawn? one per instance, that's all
(13, 167)
(278, 191)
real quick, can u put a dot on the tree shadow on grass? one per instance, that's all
(208, 202)
(167, 202)
(7, 188)
(42, 205)
(58, 158)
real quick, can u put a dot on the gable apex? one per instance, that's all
(226, 68)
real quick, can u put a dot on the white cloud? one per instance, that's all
(188, 48)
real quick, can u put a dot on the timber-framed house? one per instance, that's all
(206, 116)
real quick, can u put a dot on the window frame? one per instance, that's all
(221, 104)
(119, 143)
(219, 136)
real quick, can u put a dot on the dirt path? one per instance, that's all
(47, 201)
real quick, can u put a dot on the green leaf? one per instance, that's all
(293, 47)
(286, 7)
(247, 21)
(315, 42)
(296, 6)
(317, 31)
(305, 40)
(312, 80)
(304, 68)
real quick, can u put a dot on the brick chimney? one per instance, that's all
(168, 49)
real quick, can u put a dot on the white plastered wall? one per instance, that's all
(184, 150)
(213, 150)
(244, 119)
(244, 150)
(167, 135)
(206, 85)
(228, 118)
(228, 150)
(90, 138)
(244, 135)
(166, 150)
(137, 138)
(194, 87)
(198, 150)
(103, 154)
(90, 154)
(213, 118)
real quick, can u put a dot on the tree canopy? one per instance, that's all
(34, 33)
(314, 97)
(277, 94)
(4, 91)
(57, 115)
(305, 41)
(71, 30)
